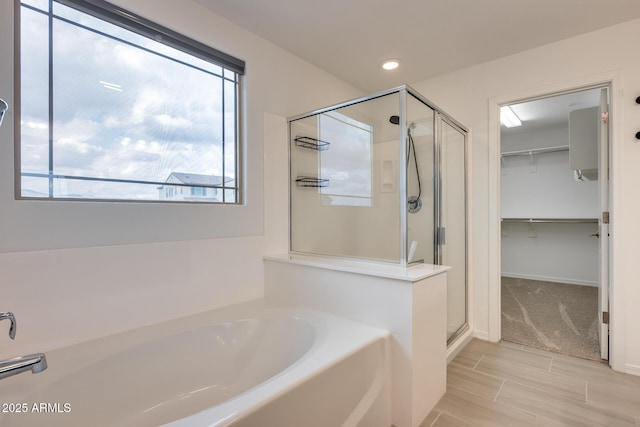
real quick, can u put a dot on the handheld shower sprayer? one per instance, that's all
(3, 109)
(414, 203)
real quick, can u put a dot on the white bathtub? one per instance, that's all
(246, 365)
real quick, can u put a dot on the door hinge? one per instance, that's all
(605, 317)
(605, 117)
(441, 236)
(605, 217)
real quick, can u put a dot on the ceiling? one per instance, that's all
(351, 38)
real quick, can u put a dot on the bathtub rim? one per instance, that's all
(309, 364)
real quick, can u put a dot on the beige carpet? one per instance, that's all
(552, 316)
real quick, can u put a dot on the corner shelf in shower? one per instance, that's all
(312, 143)
(309, 181)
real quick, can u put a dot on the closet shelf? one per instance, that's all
(535, 151)
(309, 181)
(312, 143)
(553, 220)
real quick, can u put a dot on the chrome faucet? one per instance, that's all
(12, 329)
(33, 362)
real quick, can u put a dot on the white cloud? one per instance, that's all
(173, 122)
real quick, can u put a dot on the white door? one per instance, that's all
(603, 180)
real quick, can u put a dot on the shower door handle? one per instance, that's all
(3, 109)
(441, 236)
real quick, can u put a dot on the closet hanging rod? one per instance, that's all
(535, 151)
(553, 220)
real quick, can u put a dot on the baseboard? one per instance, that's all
(481, 335)
(458, 345)
(551, 279)
(632, 369)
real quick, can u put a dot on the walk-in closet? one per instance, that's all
(551, 208)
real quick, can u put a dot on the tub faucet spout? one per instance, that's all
(33, 362)
(12, 329)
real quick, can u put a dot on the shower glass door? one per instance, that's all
(435, 159)
(451, 248)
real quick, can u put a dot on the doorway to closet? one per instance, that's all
(554, 235)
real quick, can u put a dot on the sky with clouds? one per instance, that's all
(119, 112)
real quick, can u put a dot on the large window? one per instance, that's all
(113, 106)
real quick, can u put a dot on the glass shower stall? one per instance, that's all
(383, 178)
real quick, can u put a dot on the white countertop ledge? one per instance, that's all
(413, 273)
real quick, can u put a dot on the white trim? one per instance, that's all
(614, 80)
(617, 290)
(494, 223)
(470, 239)
(551, 279)
(482, 335)
(457, 346)
(632, 369)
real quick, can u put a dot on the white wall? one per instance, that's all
(76, 270)
(562, 253)
(468, 95)
(543, 186)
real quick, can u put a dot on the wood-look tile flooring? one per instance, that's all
(512, 385)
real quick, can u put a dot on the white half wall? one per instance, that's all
(409, 303)
(472, 94)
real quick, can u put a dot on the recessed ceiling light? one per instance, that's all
(391, 64)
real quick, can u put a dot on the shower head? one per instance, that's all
(396, 121)
(3, 108)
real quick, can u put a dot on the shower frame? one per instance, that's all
(439, 117)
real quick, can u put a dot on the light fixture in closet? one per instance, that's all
(508, 117)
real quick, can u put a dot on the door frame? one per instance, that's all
(616, 316)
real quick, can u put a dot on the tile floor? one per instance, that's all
(511, 385)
